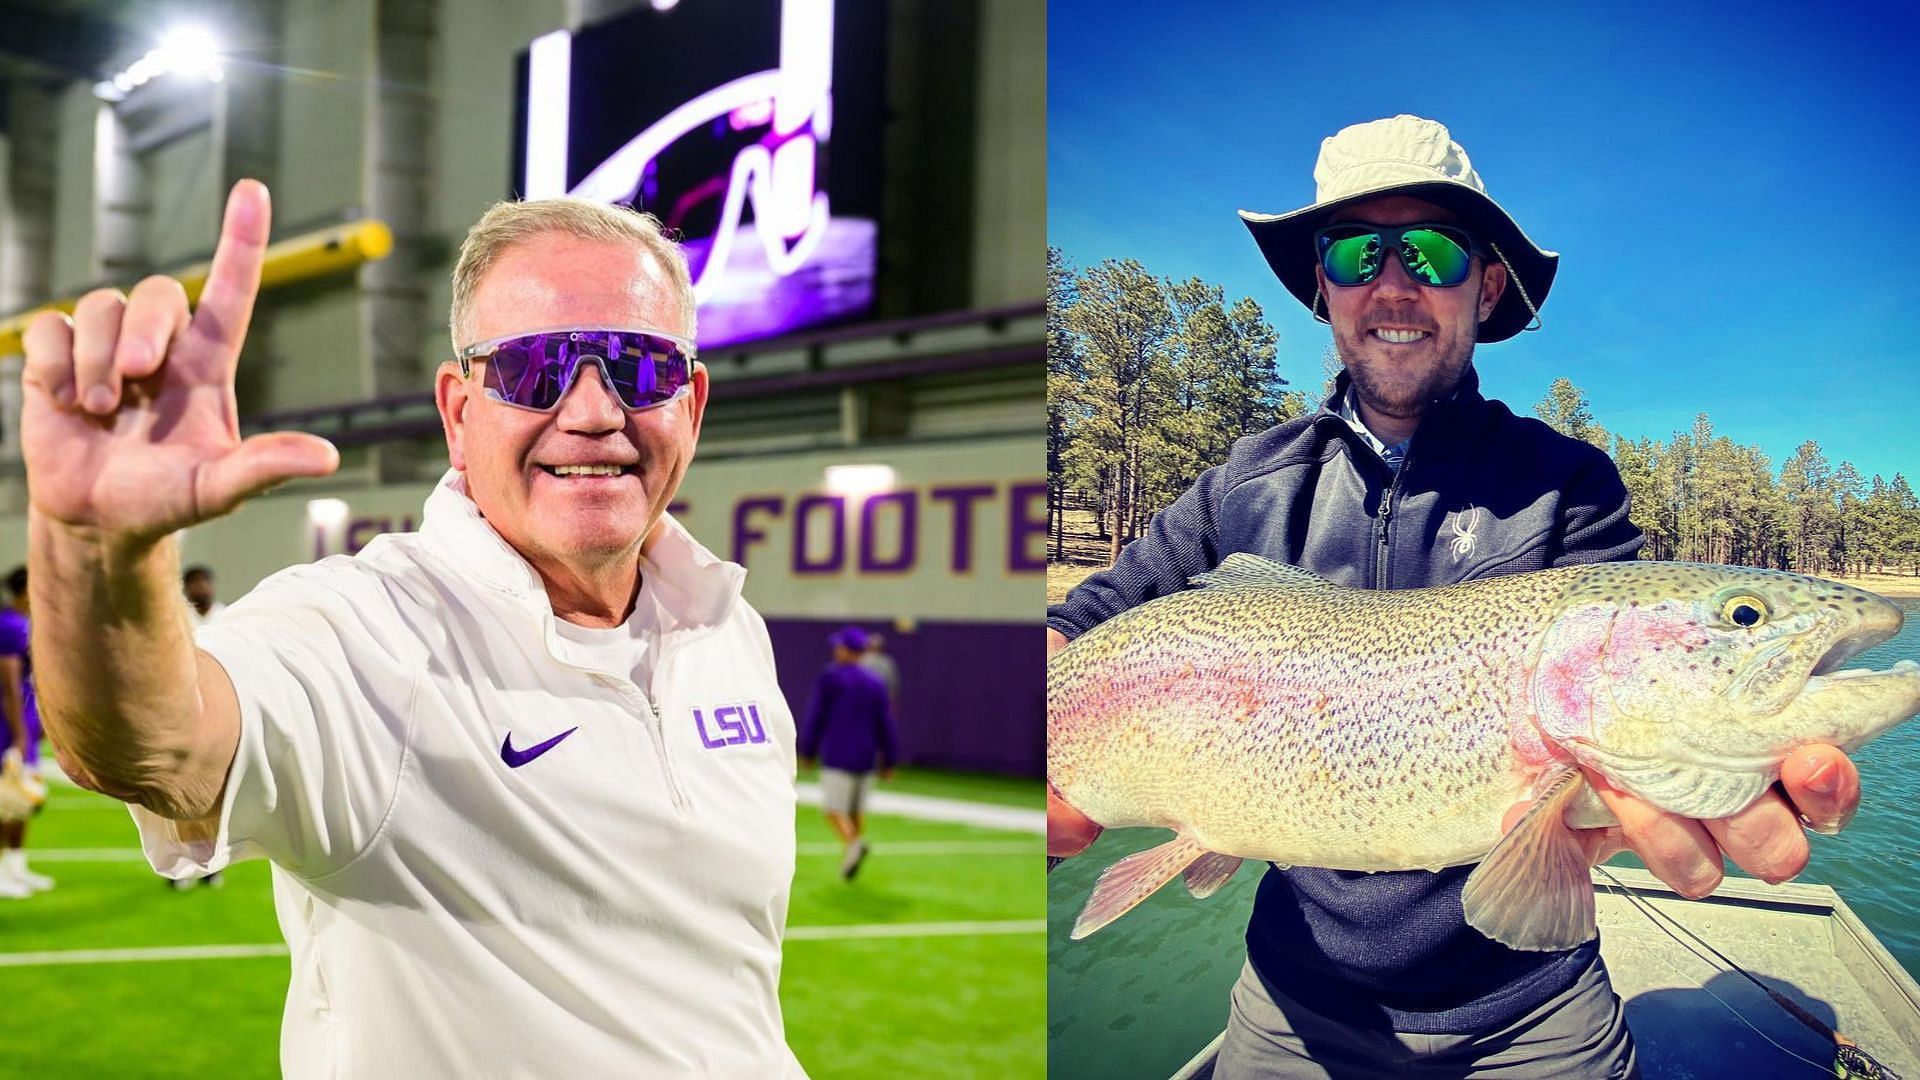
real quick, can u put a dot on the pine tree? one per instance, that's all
(1149, 382)
(1121, 320)
(1065, 371)
(1806, 484)
(1565, 410)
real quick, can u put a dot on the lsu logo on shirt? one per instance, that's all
(729, 725)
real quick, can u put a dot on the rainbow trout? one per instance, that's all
(1274, 715)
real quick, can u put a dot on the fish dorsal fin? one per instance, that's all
(1242, 570)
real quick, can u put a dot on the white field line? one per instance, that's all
(887, 930)
(932, 808)
(884, 848)
(50, 770)
(121, 956)
(238, 952)
(922, 807)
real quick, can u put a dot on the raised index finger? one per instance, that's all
(226, 304)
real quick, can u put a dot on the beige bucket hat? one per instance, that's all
(1406, 155)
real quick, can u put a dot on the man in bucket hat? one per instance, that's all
(1407, 477)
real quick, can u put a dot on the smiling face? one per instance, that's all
(1406, 344)
(571, 526)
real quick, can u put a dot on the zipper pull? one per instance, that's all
(659, 732)
(1386, 504)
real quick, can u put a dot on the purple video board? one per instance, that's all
(751, 128)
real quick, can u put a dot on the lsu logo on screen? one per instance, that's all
(730, 725)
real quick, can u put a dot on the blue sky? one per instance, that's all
(1735, 196)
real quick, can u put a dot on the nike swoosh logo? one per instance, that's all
(516, 758)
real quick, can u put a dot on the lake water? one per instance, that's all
(1139, 998)
(1875, 863)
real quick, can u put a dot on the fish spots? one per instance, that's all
(1245, 703)
(1665, 625)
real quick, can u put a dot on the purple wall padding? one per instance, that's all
(972, 695)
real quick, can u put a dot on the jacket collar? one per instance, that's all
(1465, 397)
(696, 588)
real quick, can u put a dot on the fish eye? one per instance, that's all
(1744, 611)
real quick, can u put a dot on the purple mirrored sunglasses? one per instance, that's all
(644, 367)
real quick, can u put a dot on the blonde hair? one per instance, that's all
(508, 223)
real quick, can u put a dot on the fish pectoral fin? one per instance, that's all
(1132, 880)
(1586, 811)
(1534, 891)
(1209, 872)
(1242, 569)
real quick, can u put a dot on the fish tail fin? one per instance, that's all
(1209, 872)
(1132, 880)
(1534, 891)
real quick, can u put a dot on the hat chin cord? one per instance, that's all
(1534, 324)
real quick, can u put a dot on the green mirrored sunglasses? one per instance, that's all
(1355, 253)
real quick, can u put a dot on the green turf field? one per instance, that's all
(969, 787)
(933, 963)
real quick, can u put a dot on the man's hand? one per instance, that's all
(129, 426)
(1766, 839)
(1069, 832)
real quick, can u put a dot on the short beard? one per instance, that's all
(1399, 398)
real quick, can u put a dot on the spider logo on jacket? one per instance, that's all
(1463, 524)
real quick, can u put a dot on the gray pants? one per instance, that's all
(1581, 1033)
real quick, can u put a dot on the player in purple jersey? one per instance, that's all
(851, 728)
(19, 734)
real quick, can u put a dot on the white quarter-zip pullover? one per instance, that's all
(494, 854)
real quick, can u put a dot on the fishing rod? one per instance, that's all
(1850, 1060)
